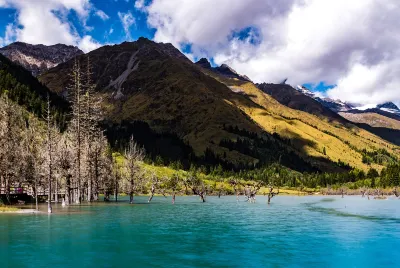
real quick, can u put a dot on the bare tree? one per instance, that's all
(197, 186)
(235, 183)
(395, 192)
(251, 190)
(76, 97)
(173, 184)
(271, 193)
(49, 141)
(10, 134)
(64, 163)
(133, 155)
(155, 183)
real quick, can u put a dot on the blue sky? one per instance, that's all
(111, 8)
(320, 44)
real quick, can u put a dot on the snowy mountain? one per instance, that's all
(334, 105)
(39, 58)
(389, 107)
(338, 106)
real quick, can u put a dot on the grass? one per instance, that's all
(4, 208)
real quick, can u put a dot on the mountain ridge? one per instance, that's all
(39, 58)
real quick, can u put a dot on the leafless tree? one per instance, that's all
(154, 185)
(173, 184)
(395, 192)
(133, 155)
(75, 128)
(235, 183)
(251, 190)
(271, 193)
(197, 186)
(10, 136)
(49, 153)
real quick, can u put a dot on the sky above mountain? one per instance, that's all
(349, 50)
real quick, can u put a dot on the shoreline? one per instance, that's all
(20, 211)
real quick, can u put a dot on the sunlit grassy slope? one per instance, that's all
(309, 133)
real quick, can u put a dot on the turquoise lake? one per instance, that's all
(315, 231)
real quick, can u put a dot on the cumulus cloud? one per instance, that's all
(46, 22)
(9, 35)
(102, 15)
(87, 44)
(351, 44)
(127, 21)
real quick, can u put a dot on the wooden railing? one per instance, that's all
(14, 190)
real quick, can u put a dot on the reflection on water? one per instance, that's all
(292, 231)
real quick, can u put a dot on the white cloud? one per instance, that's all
(111, 31)
(353, 44)
(87, 44)
(140, 5)
(9, 35)
(46, 21)
(102, 15)
(127, 21)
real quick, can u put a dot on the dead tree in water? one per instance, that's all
(251, 191)
(173, 184)
(76, 127)
(133, 155)
(342, 191)
(271, 193)
(363, 191)
(197, 186)
(155, 182)
(235, 184)
(395, 192)
(49, 141)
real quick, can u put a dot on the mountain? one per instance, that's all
(151, 90)
(155, 83)
(39, 58)
(223, 70)
(300, 100)
(375, 120)
(24, 89)
(372, 118)
(334, 105)
(389, 107)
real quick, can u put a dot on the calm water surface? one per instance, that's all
(291, 232)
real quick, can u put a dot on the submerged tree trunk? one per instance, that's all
(36, 196)
(56, 191)
(153, 190)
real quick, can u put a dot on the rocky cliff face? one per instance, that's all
(39, 58)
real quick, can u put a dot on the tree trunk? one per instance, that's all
(36, 196)
(68, 190)
(7, 190)
(56, 192)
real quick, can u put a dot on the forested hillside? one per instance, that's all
(24, 89)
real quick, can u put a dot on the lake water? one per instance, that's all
(291, 232)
